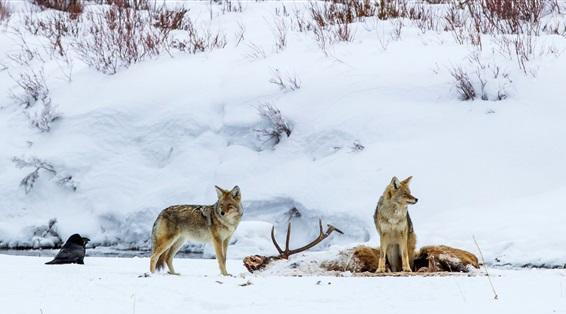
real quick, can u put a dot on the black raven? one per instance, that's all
(72, 252)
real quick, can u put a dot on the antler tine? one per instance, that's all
(288, 237)
(275, 241)
(332, 228)
(320, 225)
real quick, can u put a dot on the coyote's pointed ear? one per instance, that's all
(236, 193)
(408, 180)
(219, 191)
(395, 183)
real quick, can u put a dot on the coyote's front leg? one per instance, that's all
(382, 255)
(220, 257)
(405, 256)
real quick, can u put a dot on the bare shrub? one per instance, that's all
(33, 85)
(424, 18)
(512, 25)
(301, 23)
(57, 28)
(118, 38)
(363, 8)
(330, 22)
(256, 52)
(285, 82)
(514, 11)
(509, 16)
(397, 29)
(73, 7)
(280, 32)
(464, 85)
(322, 37)
(5, 11)
(423, 15)
(282, 11)
(35, 98)
(168, 19)
(33, 93)
(29, 181)
(557, 27)
(43, 117)
(54, 27)
(318, 14)
(122, 32)
(26, 55)
(276, 126)
(343, 32)
(392, 9)
(129, 4)
(341, 11)
(456, 22)
(229, 6)
(485, 80)
(521, 47)
(199, 41)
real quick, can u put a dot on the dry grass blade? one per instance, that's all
(495, 296)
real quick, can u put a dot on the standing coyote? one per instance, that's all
(393, 223)
(199, 223)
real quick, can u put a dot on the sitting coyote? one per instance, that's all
(199, 223)
(393, 223)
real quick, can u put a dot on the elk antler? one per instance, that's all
(286, 253)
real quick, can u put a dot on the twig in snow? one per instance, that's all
(287, 82)
(495, 296)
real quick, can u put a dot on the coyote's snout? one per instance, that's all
(199, 223)
(395, 228)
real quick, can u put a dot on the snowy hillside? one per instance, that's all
(363, 102)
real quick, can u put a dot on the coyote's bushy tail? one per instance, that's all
(161, 260)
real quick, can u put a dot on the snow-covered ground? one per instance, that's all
(113, 285)
(166, 130)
